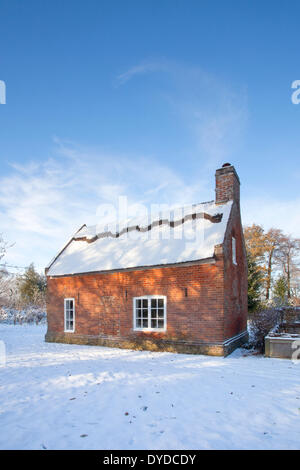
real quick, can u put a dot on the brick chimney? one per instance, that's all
(227, 184)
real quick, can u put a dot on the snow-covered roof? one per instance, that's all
(186, 234)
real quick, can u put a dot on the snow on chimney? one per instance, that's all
(227, 184)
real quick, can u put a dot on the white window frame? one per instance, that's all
(65, 315)
(233, 247)
(149, 297)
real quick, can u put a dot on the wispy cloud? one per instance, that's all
(215, 114)
(42, 204)
(140, 69)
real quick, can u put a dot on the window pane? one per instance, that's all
(160, 313)
(161, 303)
(153, 313)
(69, 314)
(138, 303)
(233, 250)
(145, 323)
(145, 303)
(138, 313)
(160, 323)
(138, 323)
(153, 303)
(145, 313)
(153, 324)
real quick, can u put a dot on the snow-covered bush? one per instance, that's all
(30, 314)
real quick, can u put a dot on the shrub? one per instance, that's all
(290, 314)
(262, 322)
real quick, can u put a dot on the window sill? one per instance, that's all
(149, 330)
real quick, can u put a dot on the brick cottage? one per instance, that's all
(172, 282)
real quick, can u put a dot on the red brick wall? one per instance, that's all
(102, 307)
(235, 278)
(227, 185)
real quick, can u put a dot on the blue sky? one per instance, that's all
(144, 99)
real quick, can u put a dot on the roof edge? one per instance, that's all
(210, 260)
(62, 249)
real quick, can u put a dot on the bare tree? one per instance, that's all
(295, 284)
(287, 255)
(272, 242)
(3, 272)
(3, 247)
(6, 279)
(255, 242)
(261, 247)
(4, 286)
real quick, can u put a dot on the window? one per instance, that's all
(149, 313)
(69, 315)
(234, 250)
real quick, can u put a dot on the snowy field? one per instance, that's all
(56, 396)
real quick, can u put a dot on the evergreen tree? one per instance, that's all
(255, 283)
(32, 286)
(280, 290)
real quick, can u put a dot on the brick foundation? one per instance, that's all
(184, 347)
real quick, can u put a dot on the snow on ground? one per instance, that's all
(58, 396)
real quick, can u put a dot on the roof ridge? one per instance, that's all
(172, 223)
(156, 214)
